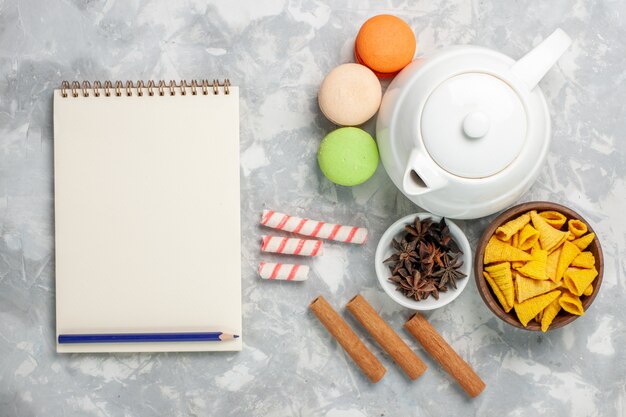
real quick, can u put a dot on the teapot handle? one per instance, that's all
(420, 175)
(532, 67)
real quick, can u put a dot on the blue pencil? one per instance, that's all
(146, 337)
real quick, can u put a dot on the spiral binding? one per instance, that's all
(204, 87)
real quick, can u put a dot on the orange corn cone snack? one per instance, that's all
(537, 267)
(571, 303)
(584, 241)
(503, 278)
(569, 251)
(554, 218)
(549, 313)
(508, 229)
(576, 227)
(526, 288)
(498, 251)
(528, 309)
(496, 290)
(528, 236)
(584, 260)
(549, 237)
(552, 262)
(577, 280)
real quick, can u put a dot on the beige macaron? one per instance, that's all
(350, 95)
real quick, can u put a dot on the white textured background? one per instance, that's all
(278, 52)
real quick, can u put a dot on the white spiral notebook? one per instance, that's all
(147, 212)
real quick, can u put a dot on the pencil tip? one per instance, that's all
(235, 336)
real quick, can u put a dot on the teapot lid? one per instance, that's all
(473, 125)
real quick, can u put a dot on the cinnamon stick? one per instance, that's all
(443, 353)
(348, 340)
(384, 335)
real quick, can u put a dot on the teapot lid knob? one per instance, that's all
(476, 124)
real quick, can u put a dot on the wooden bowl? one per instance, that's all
(487, 294)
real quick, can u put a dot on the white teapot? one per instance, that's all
(463, 131)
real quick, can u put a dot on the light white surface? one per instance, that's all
(147, 218)
(278, 53)
(482, 103)
(384, 250)
(420, 130)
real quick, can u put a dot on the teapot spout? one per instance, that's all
(419, 175)
(535, 64)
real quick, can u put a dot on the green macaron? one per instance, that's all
(348, 156)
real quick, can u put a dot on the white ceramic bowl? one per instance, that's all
(384, 251)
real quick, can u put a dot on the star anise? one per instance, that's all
(438, 257)
(446, 242)
(432, 290)
(426, 260)
(425, 288)
(405, 257)
(430, 256)
(419, 230)
(450, 271)
(404, 282)
(414, 286)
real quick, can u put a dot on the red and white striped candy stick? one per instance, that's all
(291, 246)
(314, 228)
(285, 272)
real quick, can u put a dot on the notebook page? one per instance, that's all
(147, 218)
